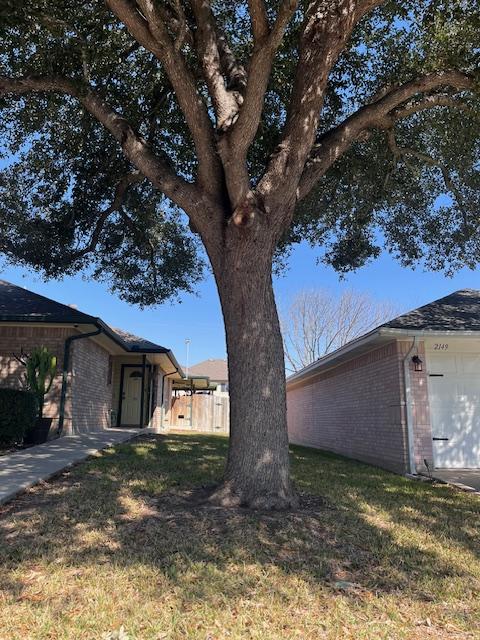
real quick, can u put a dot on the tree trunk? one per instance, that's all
(258, 470)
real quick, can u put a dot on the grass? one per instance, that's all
(111, 543)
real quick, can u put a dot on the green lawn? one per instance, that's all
(115, 542)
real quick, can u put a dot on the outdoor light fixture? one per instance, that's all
(417, 363)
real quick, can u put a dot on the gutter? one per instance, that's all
(380, 332)
(173, 360)
(66, 362)
(408, 409)
(425, 333)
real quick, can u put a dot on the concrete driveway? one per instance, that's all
(466, 478)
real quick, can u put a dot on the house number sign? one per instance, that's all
(440, 346)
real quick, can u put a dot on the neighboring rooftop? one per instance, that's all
(215, 369)
(459, 311)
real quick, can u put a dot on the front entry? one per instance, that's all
(454, 391)
(132, 394)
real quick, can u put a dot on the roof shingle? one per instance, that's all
(136, 343)
(20, 305)
(459, 311)
(215, 369)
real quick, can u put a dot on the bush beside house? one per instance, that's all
(18, 412)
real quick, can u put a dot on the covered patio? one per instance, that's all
(142, 389)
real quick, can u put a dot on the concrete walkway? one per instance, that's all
(468, 479)
(23, 469)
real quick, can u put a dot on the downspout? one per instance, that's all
(408, 407)
(164, 375)
(66, 362)
(142, 392)
(153, 376)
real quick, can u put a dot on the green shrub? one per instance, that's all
(18, 412)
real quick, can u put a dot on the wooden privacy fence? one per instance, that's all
(201, 412)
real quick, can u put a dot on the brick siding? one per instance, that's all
(91, 389)
(422, 429)
(15, 338)
(354, 409)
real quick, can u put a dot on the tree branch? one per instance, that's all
(120, 191)
(379, 114)
(326, 29)
(153, 166)
(218, 66)
(234, 144)
(142, 236)
(259, 20)
(259, 69)
(180, 25)
(430, 102)
(149, 29)
(431, 162)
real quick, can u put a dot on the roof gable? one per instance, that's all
(457, 312)
(21, 305)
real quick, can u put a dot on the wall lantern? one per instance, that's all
(417, 363)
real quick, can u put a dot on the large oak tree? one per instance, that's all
(133, 129)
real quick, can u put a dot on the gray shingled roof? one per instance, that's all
(135, 343)
(20, 305)
(459, 311)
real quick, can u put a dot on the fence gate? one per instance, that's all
(201, 412)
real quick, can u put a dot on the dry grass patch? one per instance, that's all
(124, 540)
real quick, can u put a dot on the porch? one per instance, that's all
(141, 390)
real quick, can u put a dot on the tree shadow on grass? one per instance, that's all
(366, 532)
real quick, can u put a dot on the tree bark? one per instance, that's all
(258, 471)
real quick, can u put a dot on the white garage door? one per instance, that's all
(454, 391)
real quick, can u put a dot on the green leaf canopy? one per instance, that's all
(413, 183)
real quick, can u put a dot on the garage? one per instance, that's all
(405, 396)
(454, 398)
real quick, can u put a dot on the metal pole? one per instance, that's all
(187, 344)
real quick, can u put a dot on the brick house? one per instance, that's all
(105, 377)
(405, 393)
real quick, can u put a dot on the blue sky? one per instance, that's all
(199, 317)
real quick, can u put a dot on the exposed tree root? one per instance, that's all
(227, 495)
